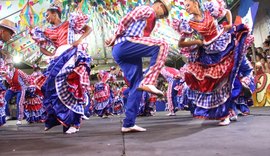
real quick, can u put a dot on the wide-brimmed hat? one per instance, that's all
(8, 61)
(8, 24)
(167, 4)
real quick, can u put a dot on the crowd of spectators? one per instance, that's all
(261, 57)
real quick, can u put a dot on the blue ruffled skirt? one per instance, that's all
(64, 103)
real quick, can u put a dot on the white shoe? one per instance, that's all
(233, 118)
(224, 122)
(19, 122)
(135, 128)
(85, 117)
(171, 114)
(151, 89)
(8, 118)
(105, 117)
(71, 130)
(77, 129)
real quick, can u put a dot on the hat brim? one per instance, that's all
(168, 9)
(8, 27)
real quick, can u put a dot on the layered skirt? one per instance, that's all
(212, 90)
(64, 85)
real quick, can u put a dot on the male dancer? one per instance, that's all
(131, 43)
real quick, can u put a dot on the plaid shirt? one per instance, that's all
(134, 23)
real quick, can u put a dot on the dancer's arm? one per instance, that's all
(46, 52)
(229, 19)
(183, 43)
(87, 30)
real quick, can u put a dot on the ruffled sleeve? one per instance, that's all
(77, 21)
(182, 26)
(139, 13)
(217, 8)
(39, 37)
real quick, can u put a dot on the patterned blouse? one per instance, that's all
(214, 38)
(138, 23)
(61, 34)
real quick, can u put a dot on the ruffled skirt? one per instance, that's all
(34, 110)
(65, 84)
(211, 91)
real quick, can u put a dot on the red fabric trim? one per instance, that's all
(14, 83)
(207, 27)
(150, 24)
(73, 80)
(33, 107)
(205, 79)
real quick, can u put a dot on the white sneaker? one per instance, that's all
(151, 89)
(224, 122)
(8, 118)
(233, 118)
(85, 117)
(19, 122)
(135, 128)
(71, 130)
(171, 114)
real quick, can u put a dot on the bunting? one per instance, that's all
(28, 16)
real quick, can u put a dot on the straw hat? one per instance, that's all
(9, 61)
(167, 4)
(8, 24)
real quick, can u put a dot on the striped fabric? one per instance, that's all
(134, 23)
(58, 35)
(1, 44)
(152, 74)
(209, 100)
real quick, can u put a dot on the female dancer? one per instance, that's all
(33, 99)
(217, 58)
(102, 95)
(66, 80)
(2, 93)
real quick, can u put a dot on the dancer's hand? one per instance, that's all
(3, 73)
(76, 43)
(175, 24)
(227, 28)
(177, 76)
(199, 42)
(31, 27)
(110, 41)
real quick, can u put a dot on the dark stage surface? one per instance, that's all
(180, 135)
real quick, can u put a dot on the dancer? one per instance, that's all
(170, 75)
(131, 43)
(66, 80)
(217, 57)
(34, 110)
(7, 30)
(2, 93)
(18, 82)
(102, 95)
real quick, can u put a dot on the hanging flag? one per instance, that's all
(28, 16)
(247, 13)
(21, 3)
(83, 6)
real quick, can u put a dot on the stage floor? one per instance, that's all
(179, 135)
